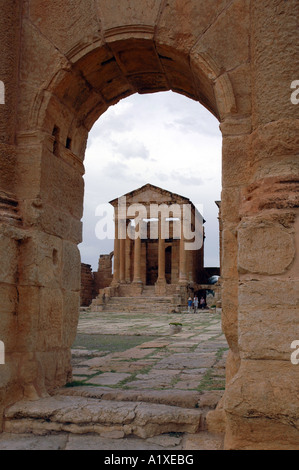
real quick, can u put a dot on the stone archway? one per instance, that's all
(62, 66)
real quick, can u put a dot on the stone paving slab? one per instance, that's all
(170, 371)
(199, 347)
(108, 378)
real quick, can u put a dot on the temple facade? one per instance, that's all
(158, 245)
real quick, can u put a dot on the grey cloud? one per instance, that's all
(131, 149)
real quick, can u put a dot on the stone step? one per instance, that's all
(82, 415)
(141, 303)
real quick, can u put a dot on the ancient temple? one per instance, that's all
(158, 245)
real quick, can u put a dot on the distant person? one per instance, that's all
(202, 303)
(189, 305)
(195, 304)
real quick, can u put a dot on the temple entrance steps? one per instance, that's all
(143, 303)
(147, 301)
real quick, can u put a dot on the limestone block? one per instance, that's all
(236, 153)
(56, 367)
(229, 253)
(232, 365)
(260, 301)
(229, 298)
(62, 185)
(265, 247)
(28, 174)
(28, 368)
(40, 58)
(27, 329)
(119, 17)
(241, 83)
(71, 271)
(274, 149)
(58, 223)
(229, 49)
(50, 319)
(275, 61)
(71, 305)
(230, 205)
(8, 315)
(40, 260)
(7, 167)
(66, 24)
(262, 407)
(9, 259)
(194, 18)
(260, 338)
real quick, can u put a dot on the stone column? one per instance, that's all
(183, 254)
(161, 281)
(128, 256)
(122, 251)
(116, 251)
(137, 259)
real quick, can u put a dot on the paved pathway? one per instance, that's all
(133, 357)
(193, 359)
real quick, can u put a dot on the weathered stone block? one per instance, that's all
(71, 271)
(261, 406)
(63, 22)
(236, 161)
(9, 259)
(194, 16)
(8, 315)
(50, 319)
(229, 253)
(41, 260)
(265, 247)
(70, 317)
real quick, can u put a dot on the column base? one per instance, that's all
(160, 287)
(137, 287)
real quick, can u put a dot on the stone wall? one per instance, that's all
(87, 285)
(93, 281)
(63, 63)
(103, 276)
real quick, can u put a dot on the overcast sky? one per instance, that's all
(164, 139)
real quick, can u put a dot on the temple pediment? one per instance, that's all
(150, 194)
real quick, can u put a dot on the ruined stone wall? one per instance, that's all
(103, 276)
(87, 292)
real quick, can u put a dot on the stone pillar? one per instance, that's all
(116, 264)
(137, 260)
(262, 400)
(12, 387)
(128, 256)
(183, 254)
(122, 251)
(161, 281)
